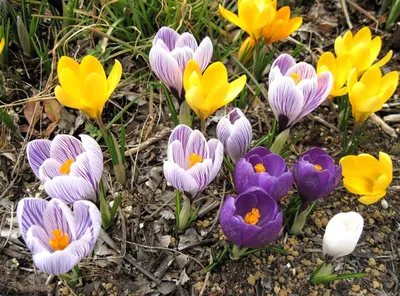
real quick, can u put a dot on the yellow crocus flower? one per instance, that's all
(368, 94)
(2, 43)
(253, 15)
(361, 49)
(281, 26)
(207, 92)
(366, 176)
(85, 86)
(246, 50)
(340, 69)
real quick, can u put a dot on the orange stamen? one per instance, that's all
(194, 158)
(60, 241)
(66, 167)
(252, 217)
(259, 168)
(295, 77)
(318, 167)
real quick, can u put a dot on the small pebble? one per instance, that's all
(371, 262)
(356, 288)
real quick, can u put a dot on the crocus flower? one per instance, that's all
(368, 94)
(295, 90)
(192, 163)
(235, 132)
(340, 69)
(207, 92)
(85, 86)
(315, 175)
(361, 49)
(252, 16)
(251, 219)
(70, 169)
(2, 43)
(170, 54)
(342, 234)
(367, 176)
(281, 26)
(57, 237)
(246, 50)
(259, 167)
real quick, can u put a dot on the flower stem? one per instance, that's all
(299, 223)
(237, 252)
(203, 126)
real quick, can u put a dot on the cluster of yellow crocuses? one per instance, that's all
(356, 74)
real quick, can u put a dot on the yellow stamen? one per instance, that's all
(295, 77)
(252, 217)
(60, 241)
(318, 167)
(259, 168)
(194, 158)
(66, 167)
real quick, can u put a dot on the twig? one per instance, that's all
(203, 289)
(346, 13)
(380, 123)
(363, 11)
(139, 267)
(148, 142)
(320, 120)
(200, 243)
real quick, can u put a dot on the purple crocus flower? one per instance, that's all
(70, 169)
(315, 175)
(192, 163)
(57, 237)
(235, 132)
(251, 219)
(259, 167)
(170, 54)
(295, 90)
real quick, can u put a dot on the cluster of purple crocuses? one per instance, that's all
(70, 170)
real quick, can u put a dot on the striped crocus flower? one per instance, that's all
(192, 163)
(295, 90)
(170, 54)
(70, 169)
(57, 237)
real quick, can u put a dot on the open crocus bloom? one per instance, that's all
(368, 94)
(235, 132)
(85, 86)
(251, 219)
(261, 168)
(192, 163)
(252, 16)
(315, 175)
(367, 176)
(70, 169)
(57, 237)
(295, 90)
(170, 54)
(342, 234)
(361, 49)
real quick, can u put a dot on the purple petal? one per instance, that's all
(240, 139)
(306, 71)
(284, 62)
(37, 240)
(274, 165)
(177, 154)
(274, 74)
(166, 68)
(244, 176)
(197, 145)
(37, 152)
(259, 151)
(65, 147)
(30, 212)
(182, 56)
(186, 39)
(285, 99)
(59, 216)
(95, 155)
(308, 87)
(216, 153)
(325, 84)
(229, 223)
(314, 153)
(49, 170)
(270, 231)
(201, 173)
(181, 133)
(180, 179)
(245, 205)
(82, 168)
(87, 220)
(224, 130)
(168, 36)
(204, 53)
(282, 186)
(70, 189)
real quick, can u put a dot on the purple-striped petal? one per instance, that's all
(37, 152)
(284, 62)
(325, 84)
(182, 56)
(30, 212)
(308, 87)
(82, 168)
(65, 147)
(204, 53)
(177, 154)
(181, 133)
(197, 145)
(186, 39)
(304, 70)
(216, 153)
(87, 221)
(224, 130)
(201, 173)
(168, 36)
(49, 170)
(70, 189)
(179, 178)
(166, 68)
(240, 140)
(95, 155)
(285, 99)
(37, 240)
(59, 216)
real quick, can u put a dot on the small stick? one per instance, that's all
(346, 13)
(379, 122)
(363, 11)
(327, 124)
(139, 267)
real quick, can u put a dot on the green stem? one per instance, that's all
(237, 252)
(203, 126)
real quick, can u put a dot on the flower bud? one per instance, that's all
(246, 50)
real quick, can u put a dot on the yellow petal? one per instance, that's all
(372, 80)
(373, 198)
(388, 85)
(347, 163)
(248, 14)
(114, 78)
(196, 101)
(191, 67)
(352, 79)
(246, 50)
(217, 97)
(362, 36)
(360, 57)
(384, 60)
(262, 20)
(232, 18)
(94, 94)
(343, 68)
(235, 87)
(90, 65)
(343, 44)
(387, 166)
(212, 76)
(71, 83)
(358, 185)
(2, 43)
(65, 99)
(375, 48)
(67, 62)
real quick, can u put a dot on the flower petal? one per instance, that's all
(168, 36)
(70, 189)
(95, 156)
(186, 39)
(233, 18)
(306, 71)
(67, 62)
(65, 147)
(216, 153)
(204, 53)
(284, 62)
(182, 56)
(30, 212)
(180, 179)
(37, 152)
(87, 219)
(49, 170)
(91, 65)
(181, 133)
(114, 78)
(82, 169)
(94, 95)
(58, 215)
(37, 240)
(197, 145)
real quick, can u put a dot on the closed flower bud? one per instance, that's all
(246, 50)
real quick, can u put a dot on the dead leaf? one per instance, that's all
(32, 112)
(50, 129)
(52, 109)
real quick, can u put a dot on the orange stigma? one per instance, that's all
(60, 241)
(259, 168)
(252, 217)
(318, 167)
(66, 167)
(194, 158)
(295, 77)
